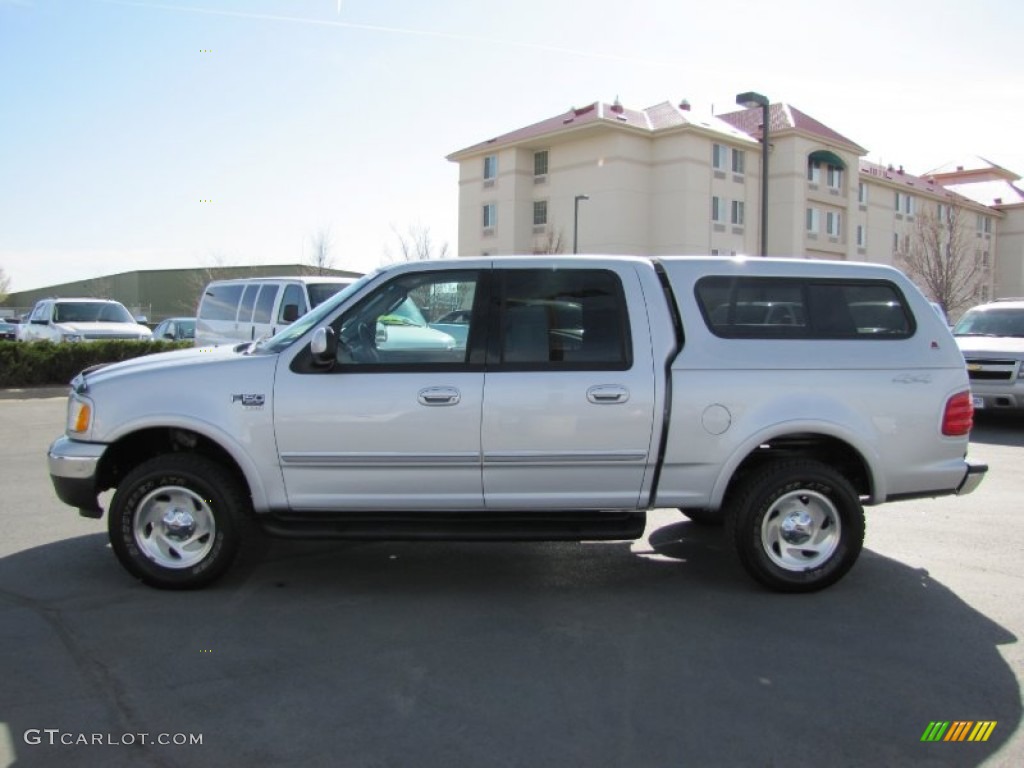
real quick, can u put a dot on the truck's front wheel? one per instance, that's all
(798, 526)
(176, 521)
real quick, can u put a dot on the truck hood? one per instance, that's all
(991, 345)
(100, 330)
(177, 360)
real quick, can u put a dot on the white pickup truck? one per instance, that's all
(779, 396)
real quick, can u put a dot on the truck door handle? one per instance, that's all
(439, 396)
(607, 394)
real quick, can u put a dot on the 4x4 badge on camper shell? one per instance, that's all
(249, 400)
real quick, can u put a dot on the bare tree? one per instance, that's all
(552, 242)
(321, 259)
(941, 258)
(5, 284)
(216, 268)
(415, 244)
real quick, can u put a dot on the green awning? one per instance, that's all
(826, 158)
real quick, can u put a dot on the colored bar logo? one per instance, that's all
(959, 730)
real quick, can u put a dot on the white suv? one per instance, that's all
(991, 337)
(82, 320)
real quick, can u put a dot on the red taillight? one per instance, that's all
(958, 417)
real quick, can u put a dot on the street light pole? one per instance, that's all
(751, 99)
(576, 221)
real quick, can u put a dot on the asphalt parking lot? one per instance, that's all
(656, 653)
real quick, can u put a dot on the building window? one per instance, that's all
(490, 167)
(984, 224)
(905, 204)
(540, 163)
(737, 212)
(984, 258)
(540, 212)
(814, 171)
(895, 242)
(813, 219)
(717, 209)
(862, 193)
(861, 239)
(835, 176)
(718, 153)
(943, 213)
(490, 215)
(984, 293)
(832, 223)
(738, 160)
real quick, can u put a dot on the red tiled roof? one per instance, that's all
(996, 193)
(660, 117)
(899, 177)
(782, 117)
(573, 118)
(973, 166)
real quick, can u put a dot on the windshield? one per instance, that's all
(313, 318)
(1008, 321)
(91, 312)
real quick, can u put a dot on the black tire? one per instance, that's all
(712, 518)
(210, 511)
(776, 507)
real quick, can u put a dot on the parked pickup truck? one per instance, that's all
(588, 390)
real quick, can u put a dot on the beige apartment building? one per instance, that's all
(665, 180)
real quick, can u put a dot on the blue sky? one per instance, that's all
(114, 122)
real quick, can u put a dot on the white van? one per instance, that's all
(247, 309)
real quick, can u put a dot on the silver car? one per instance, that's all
(991, 337)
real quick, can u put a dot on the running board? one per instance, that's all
(457, 526)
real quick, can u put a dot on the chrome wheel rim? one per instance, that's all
(174, 527)
(801, 530)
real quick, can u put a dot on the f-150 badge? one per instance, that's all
(249, 401)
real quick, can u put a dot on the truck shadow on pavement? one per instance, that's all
(655, 653)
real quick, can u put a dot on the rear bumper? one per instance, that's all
(73, 468)
(975, 474)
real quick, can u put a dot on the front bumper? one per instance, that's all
(73, 468)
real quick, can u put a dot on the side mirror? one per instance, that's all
(291, 313)
(324, 346)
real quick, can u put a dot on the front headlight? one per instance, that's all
(72, 337)
(79, 415)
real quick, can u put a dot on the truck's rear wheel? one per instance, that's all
(176, 521)
(798, 526)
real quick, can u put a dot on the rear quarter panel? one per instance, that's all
(884, 397)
